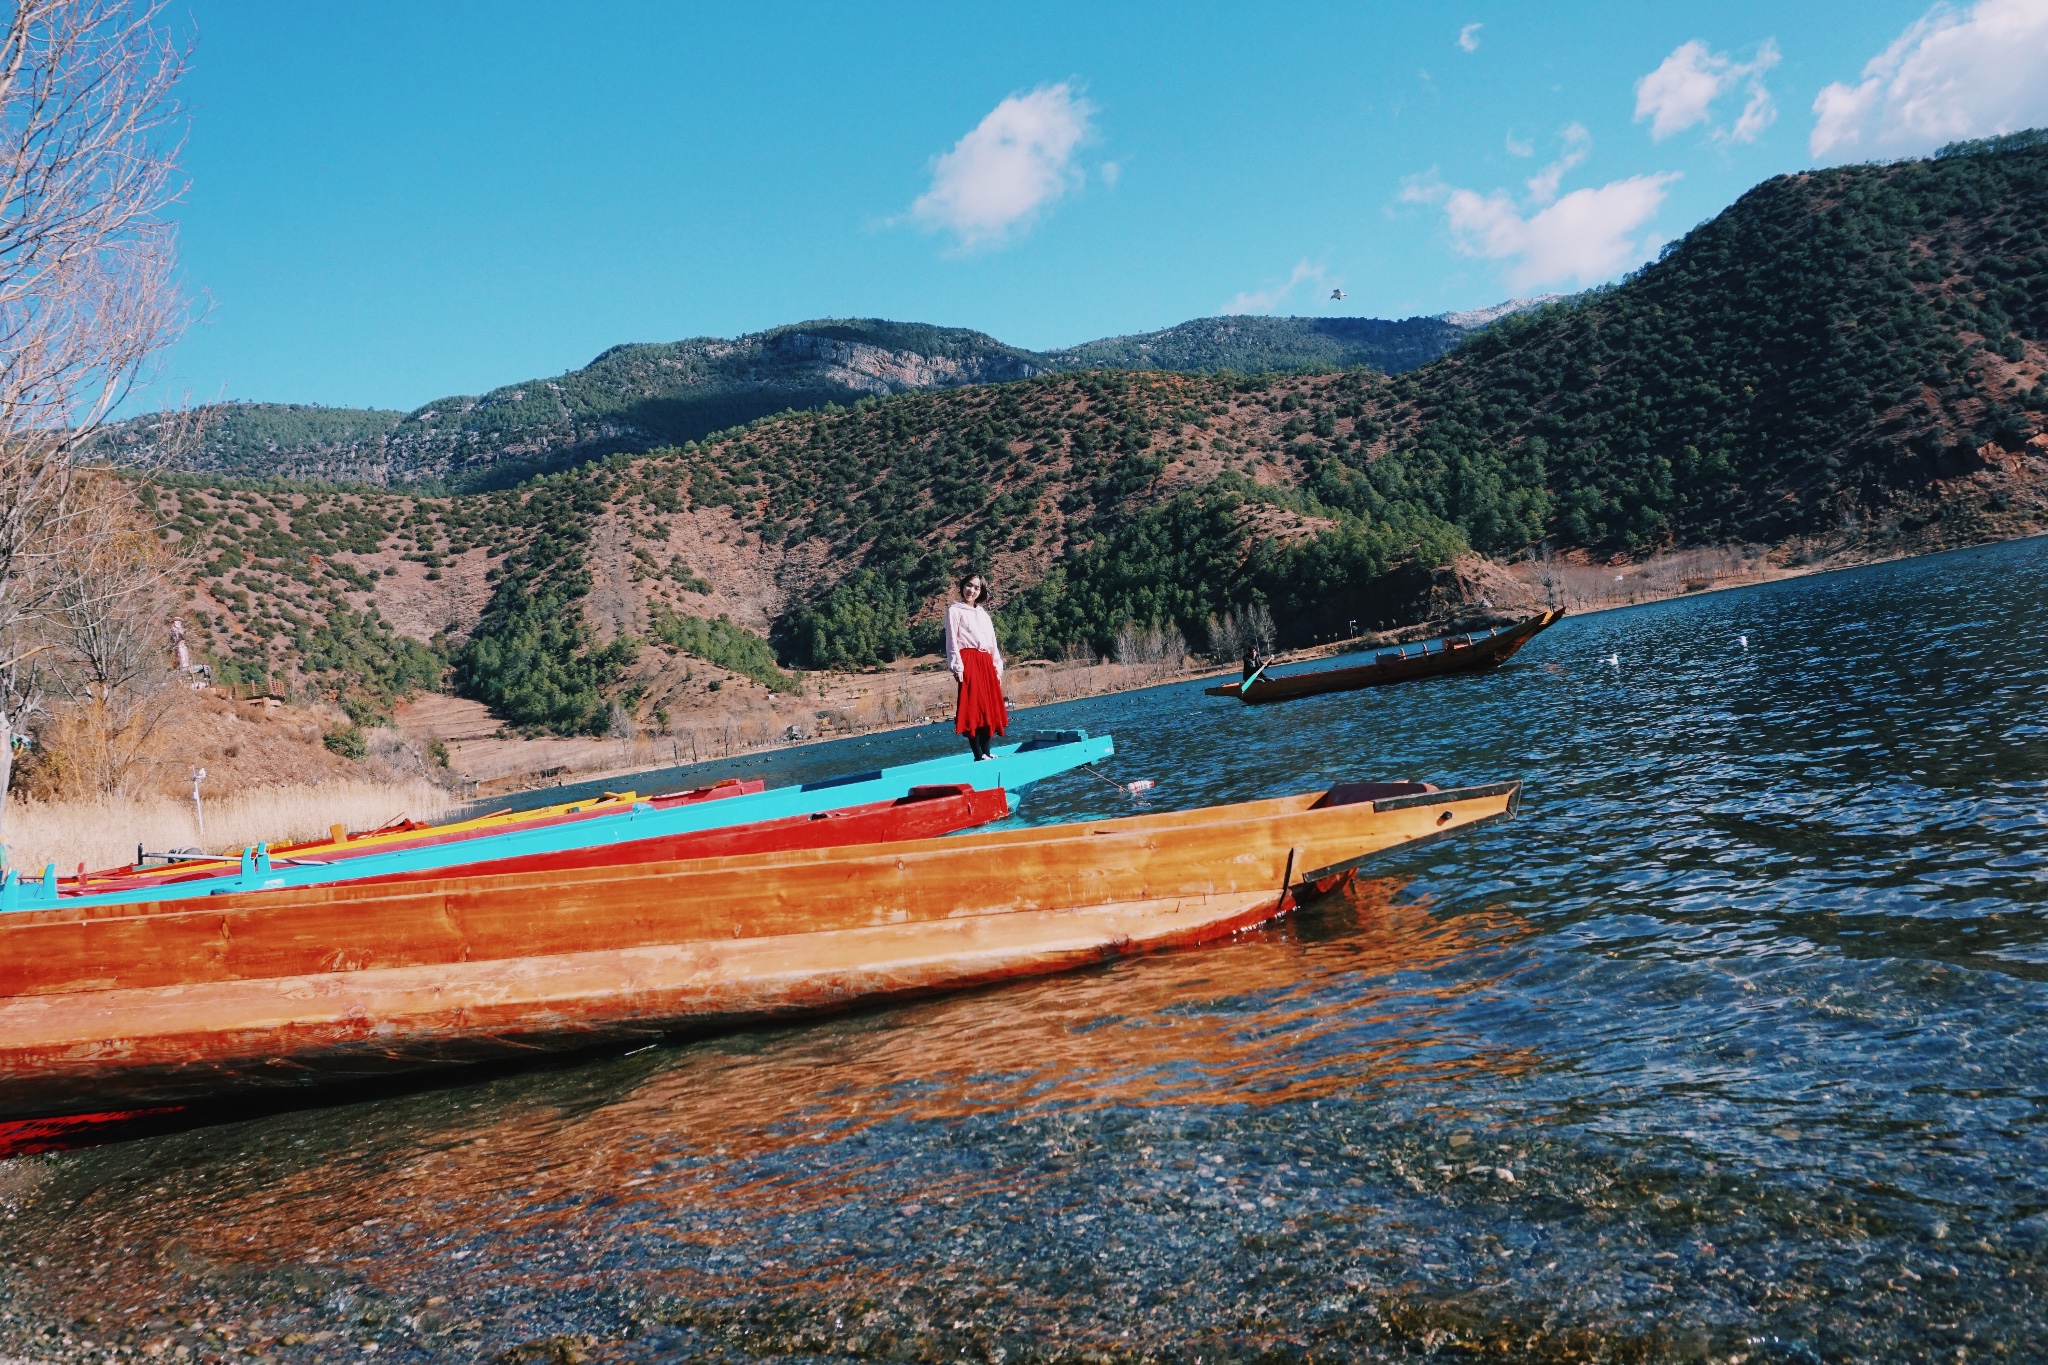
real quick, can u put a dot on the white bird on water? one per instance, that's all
(1614, 659)
(1744, 639)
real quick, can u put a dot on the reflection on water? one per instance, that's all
(1730, 1045)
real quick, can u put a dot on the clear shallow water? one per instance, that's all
(1733, 1044)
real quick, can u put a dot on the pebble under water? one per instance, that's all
(1730, 1048)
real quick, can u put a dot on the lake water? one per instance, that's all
(1734, 1044)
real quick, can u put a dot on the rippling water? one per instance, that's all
(1732, 1045)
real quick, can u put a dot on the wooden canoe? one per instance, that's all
(105, 1007)
(1009, 768)
(1466, 653)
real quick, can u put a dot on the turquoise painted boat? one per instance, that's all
(1010, 768)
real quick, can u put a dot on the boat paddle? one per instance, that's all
(1132, 788)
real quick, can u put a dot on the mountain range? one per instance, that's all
(640, 396)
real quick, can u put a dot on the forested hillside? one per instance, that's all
(1255, 345)
(265, 440)
(1832, 343)
(1853, 352)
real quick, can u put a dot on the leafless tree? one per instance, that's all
(1226, 639)
(1129, 647)
(1155, 648)
(107, 601)
(1256, 627)
(108, 590)
(88, 153)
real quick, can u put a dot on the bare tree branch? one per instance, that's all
(89, 141)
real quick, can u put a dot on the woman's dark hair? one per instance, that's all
(986, 592)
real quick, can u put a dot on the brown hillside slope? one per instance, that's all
(715, 531)
(1853, 355)
(743, 527)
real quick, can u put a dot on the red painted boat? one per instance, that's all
(27, 1137)
(402, 834)
(927, 813)
(160, 1003)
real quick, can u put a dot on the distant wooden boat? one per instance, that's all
(107, 1007)
(1465, 653)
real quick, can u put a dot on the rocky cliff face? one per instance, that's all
(1474, 318)
(876, 370)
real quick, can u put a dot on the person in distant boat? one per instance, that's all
(1252, 662)
(977, 665)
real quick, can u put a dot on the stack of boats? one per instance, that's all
(627, 918)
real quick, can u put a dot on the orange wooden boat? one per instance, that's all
(927, 812)
(105, 1007)
(1466, 653)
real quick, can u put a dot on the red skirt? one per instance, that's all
(981, 695)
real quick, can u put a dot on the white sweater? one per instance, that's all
(969, 627)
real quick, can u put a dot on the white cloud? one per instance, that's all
(1952, 74)
(1468, 37)
(1014, 163)
(1520, 148)
(1587, 236)
(1758, 113)
(1267, 299)
(1675, 96)
(1111, 172)
(1681, 91)
(1577, 142)
(1427, 188)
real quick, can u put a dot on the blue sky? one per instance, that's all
(393, 203)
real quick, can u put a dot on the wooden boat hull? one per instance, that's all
(1467, 658)
(164, 1003)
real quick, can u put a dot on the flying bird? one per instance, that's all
(1338, 295)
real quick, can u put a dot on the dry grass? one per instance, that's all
(104, 833)
(1592, 587)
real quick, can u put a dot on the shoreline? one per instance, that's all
(1642, 592)
(1038, 683)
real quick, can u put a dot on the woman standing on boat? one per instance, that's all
(977, 665)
